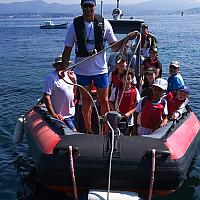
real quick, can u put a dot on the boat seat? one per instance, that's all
(57, 125)
(63, 128)
(160, 132)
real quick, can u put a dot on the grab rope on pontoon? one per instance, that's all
(153, 158)
(72, 172)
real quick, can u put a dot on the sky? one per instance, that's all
(77, 1)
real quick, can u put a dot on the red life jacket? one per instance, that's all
(173, 103)
(150, 63)
(93, 89)
(128, 100)
(115, 80)
(151, 114)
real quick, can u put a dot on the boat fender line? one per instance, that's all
(152, 173)
(72, 172)
(111, 155)
(19, 130)
(19, 127)
(124, 40)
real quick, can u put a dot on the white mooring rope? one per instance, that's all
(72, 173)
(152, 173)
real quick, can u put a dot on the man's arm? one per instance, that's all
(119, 44)
(66, 56)
(47, 101)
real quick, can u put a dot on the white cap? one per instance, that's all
(161, 83)
(175, 64)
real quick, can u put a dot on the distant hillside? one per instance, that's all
(149, 7)
(192, 11)
(167, 5)
(37, 7)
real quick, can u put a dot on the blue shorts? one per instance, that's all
(70, 122)
(100, 80)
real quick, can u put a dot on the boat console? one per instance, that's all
(117, 14)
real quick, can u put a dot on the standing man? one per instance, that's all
(89, 33)
(148, 41)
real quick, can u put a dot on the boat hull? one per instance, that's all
(131, 163)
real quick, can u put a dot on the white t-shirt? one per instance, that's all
(97, 64)
(61, 93)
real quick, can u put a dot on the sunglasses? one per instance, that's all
(172, 67)
(57, 64)
(88, 5)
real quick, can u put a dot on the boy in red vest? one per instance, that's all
(115, 76)
(176, 102)
(130, 97)
(152, 110)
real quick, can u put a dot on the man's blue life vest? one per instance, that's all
(81, 36)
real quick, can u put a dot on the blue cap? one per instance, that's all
(185, 88)
(93, 2)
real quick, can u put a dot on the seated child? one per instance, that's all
(152, 61)
(130, 97)
(115, 76)
(175, 80)
(176, 102)
(152, 110)
(126, 55)
(146, 87)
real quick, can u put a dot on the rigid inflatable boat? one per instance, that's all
(67, 161)
(132, 164)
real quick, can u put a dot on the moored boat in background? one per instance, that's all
(50, 25)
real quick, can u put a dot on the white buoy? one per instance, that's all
(19, 131)
(113, 195)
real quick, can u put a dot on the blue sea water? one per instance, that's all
(26, 54)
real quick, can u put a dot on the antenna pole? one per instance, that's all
(117, 3)
(102, 8)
